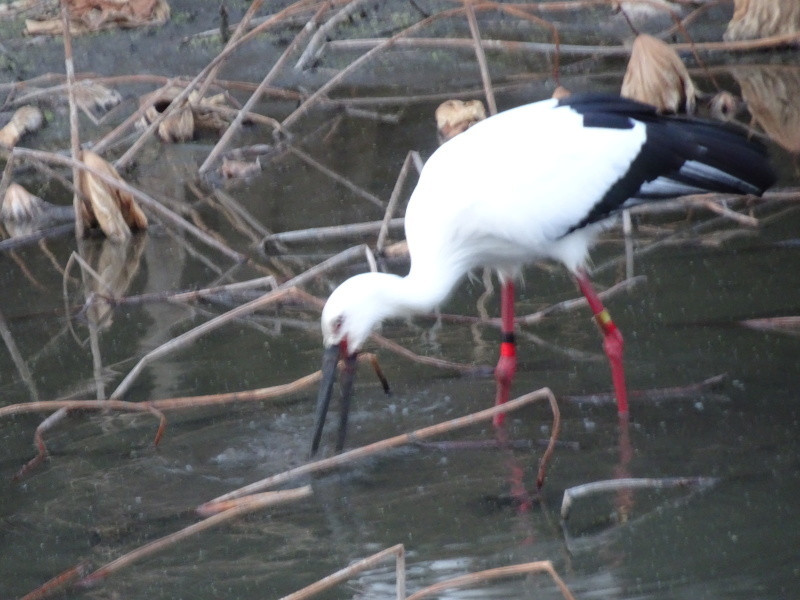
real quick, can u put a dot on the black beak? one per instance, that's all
(330, 359)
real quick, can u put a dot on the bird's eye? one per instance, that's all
(337, 324)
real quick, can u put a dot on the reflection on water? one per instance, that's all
(106, 490)
(771, 94)
(111, 269)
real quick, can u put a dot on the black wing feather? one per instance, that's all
(680, 155)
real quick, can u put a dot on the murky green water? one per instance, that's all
(105, 490)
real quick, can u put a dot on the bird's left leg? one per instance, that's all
(612, 340)
(507, 365)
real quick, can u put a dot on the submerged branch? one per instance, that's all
(49, 405)
(432, 361)
(612, 485)
(360, 566)
(253, 503)
(285, 290)
(145, 199)
(381, 446)
(497, 573)
(669, 393)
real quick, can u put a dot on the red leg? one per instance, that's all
(507, 365)
(503, 374)
(612, 340)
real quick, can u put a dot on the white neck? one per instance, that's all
(422, 290)
(360, 303)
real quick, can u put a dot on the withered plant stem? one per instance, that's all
(357, 567)
(521, 14)
(240, 30)
(181, 98)
(333, 232)
(189, 296)
(432, 361)
(411, 157)
(276, 391)
(475, 578)
(481, 57)
(652, 395)
(559, 307)
(233, 128)
(318, 39)
(145, 199)
(17, 358)
(305, 157)
(59, 88)
(611, 485)
(74, 135)
(8, 173)
(372, 44)
(399, 440)
(320, 93)
(50, 405)
(103, 144)
(156, 406)
(58, 583)
(285, 290)
(256, 503)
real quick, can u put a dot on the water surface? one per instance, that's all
(105, 490)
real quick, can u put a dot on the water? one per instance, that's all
(105, 490)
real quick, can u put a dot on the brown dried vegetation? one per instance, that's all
(656, 75)
(107, 207)
(20, 205)
(754, 19)
(95, 15)
(25, 120)
(771, 95)
(456, 116)
(181, 125)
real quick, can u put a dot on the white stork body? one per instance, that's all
(538, 181)
(501, 199)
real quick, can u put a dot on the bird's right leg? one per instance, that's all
(612, 340)
(507, 365)
(503, 374)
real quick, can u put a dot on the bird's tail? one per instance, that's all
(707, 157)
(681, 155)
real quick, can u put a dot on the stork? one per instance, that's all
(540, 181)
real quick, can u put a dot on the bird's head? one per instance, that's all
(355, 309)
(352, 312)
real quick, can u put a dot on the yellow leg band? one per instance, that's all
(603, 318)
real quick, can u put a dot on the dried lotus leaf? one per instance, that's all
(114, 210)
(754, 19)
(25, 119)
(456, 116)
(657, 76)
